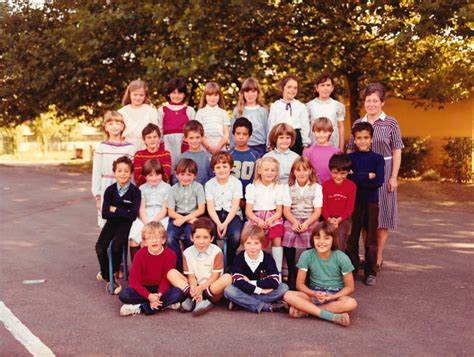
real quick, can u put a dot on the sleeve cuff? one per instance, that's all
(257, 290)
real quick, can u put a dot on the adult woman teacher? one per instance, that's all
(387, 141)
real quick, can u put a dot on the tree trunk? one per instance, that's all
(354, 96)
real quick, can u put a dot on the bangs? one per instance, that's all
(113, 116)
(212, 89)
(250, 84)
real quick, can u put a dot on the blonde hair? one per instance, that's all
(252, 231)
(154, 227)
(322, 124)
(260, 163)
(303, 162)
(209, 89)
(112, 116)
(133, 86)
(248, 85)
(281, 129)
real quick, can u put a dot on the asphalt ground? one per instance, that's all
(422, 304)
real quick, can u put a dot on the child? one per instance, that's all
(264, 198)
(186, 202)
(291, 111)
(244, 156)
(214, 118)
(120, 209)
(202, 281)
(339, 197)
(194, 136)
(250, 105)
(368, 174)
(153, 204)
(173, 116)
(330, 281)
(149, 290)
(256, 285)
(151, 136)
(104, 155)
(302, 202)
(137, 112)
(223, 195)
(281, 138)
(321, 151)
(325, 105)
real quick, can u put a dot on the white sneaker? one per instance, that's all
(99, 276)
(129, 309)
(174, 306)
(202, 307)
(187, 305)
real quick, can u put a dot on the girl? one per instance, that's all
(214, 118)
(330, 280)
(153, 204)
(173, 115)
(264, 204)
(321, 151)
(105, 153)
(137, 112)
(302, 202)
(281, 138)
(291, 111)
(326, 105)
(250, 105)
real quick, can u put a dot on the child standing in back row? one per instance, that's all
(250, 105)
(214, 118)
(105, 153)
(173, 116)
(137, 112)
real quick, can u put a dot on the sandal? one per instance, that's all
(342, 319)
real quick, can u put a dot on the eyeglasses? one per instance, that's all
(152, 237)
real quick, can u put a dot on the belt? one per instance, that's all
(387, 158)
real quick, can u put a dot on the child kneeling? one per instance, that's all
(203, 264)
(330, 280)
(149, 290)
(256, 284)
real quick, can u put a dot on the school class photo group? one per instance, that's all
(170, 183)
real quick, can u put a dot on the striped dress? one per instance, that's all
(387, 137)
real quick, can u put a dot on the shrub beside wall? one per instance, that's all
(457, 158)
(414, 156)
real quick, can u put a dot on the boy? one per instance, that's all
(244, 156)
(120, 209)
(368, 174)
(339, 197)
(194, 133)
(186, 202)
(149, 290)
(151, 136)
(223, 196)
(202, 281)
(256, 284)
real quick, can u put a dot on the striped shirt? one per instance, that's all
(213, 119)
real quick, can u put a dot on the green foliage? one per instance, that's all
(414, 156)
(457, 158)
(431, 175)
(79, 56)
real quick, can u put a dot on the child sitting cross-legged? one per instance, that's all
(202, 282)
(149, 290)
(256, 282)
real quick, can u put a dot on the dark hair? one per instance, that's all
(340, 162)
(285, 80)
(327, 228)
(363, 125)
(152, 165)
(203, 223)
(194, 126)
(222, 158)
(242, 122)
(176, 83)
(123, 160)
(150, 128)
(321, 79)
(374, 88)
(184, 165)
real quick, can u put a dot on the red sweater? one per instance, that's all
(142, 156)
(338, 200)
(151, 270)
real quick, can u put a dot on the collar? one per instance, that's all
(161, 251)
(124, 188)
(205, 254)
(319, 100)
(282, 152)
(297, 185)
(212, 108)
(176, 103)
(251, 261)
(381, 117)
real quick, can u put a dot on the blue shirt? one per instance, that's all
(244, 166)
(364, 162)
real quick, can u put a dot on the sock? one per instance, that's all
(186, 290)
(133, 251)
(277, 253)
(326, 315)
(290, 254)
(208, 294)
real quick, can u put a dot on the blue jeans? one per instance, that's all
(255, 302)
(130, 296)
(233, 235)
(175, 234)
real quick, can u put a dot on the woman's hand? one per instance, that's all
(392, 183)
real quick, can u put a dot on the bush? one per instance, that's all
(414, 156)
(431, 175)
(457, 158)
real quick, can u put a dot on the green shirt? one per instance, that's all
(325, 273)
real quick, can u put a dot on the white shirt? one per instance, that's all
(222, 195)
(318, 194)
(294, 114)
(264, 198)
(213, 119)
(135, 120)
(333, 110)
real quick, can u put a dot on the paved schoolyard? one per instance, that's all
(421, 305)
